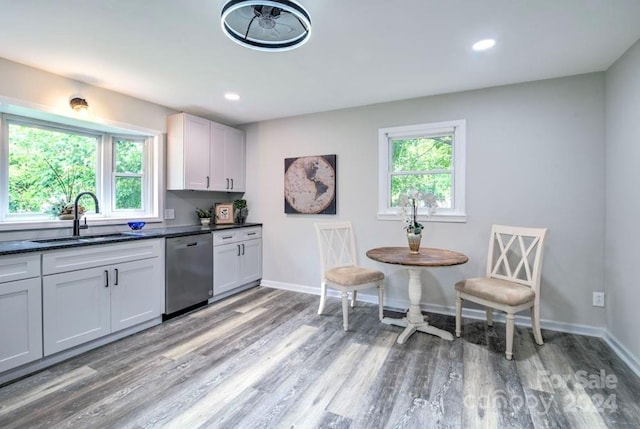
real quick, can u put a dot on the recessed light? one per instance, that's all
(232, 96)
(485, 44)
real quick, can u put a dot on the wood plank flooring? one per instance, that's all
(265, 359)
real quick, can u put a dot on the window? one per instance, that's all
(428, 158)
(128, 173)
(49, 163)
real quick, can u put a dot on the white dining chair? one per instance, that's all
(340, 270)
(512, 280)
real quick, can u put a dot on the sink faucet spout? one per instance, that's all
(76, 219)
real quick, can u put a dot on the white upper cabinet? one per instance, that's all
(228, 159)
(204, 155)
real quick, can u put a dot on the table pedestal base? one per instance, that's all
(415, 321)
(411, 327)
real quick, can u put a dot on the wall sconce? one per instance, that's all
(79, 105)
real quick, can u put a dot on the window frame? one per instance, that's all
(457, 128)
(105, 172)
(144, 176)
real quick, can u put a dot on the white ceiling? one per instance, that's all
(173, 52)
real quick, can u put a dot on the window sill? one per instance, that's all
(452, 217)
(68, 224)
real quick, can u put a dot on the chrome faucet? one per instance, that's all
(76, 220)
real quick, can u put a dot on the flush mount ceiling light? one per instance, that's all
(266, 25)
(79, 105)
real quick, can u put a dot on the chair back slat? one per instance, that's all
(515, 254)
(336, 244)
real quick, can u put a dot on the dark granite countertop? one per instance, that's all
(44, 244)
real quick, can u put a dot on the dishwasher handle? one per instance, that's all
(187, 244)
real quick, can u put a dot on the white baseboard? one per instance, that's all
(402, 305)
(622, 352)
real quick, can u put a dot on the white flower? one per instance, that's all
(410, 203)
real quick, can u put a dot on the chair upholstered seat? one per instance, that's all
(497, 290)
(353, 275)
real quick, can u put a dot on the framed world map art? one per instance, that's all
(310, 184)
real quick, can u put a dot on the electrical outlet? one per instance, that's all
(598, 299)
(169, 214)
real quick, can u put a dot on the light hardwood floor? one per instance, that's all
(265, 359)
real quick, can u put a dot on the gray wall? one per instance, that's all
(535, 156)
(623, 202)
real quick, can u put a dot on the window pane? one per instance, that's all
(47, 164)
(128, 193)
(422, 154)
(128, 156)
(436, 184)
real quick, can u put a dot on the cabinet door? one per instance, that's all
(219, 178)
(235, 159)
(251, 261)
(76, 308)
(20, 323)
(226, 266)
(134, 292)
(196, 153)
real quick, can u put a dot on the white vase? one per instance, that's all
(205, 221)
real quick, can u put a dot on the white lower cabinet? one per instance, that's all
(237, 258)
(77, 308)
(89, 303)
(20, 311)
(134, 283)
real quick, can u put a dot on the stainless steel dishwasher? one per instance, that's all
(188, 270)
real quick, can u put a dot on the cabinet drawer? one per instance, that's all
(225, 237)
(235, 235)
(94, 256)
(19, 267)
(250, 233)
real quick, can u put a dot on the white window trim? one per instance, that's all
(458, 213)
(154, 152)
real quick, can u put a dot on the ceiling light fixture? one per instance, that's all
(483, 45)
(266, 25)
(232, 96)
(79, 105)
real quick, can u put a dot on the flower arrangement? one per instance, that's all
(410, 216)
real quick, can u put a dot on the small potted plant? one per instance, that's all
(204, 216)
(241, 211)
(61, 206)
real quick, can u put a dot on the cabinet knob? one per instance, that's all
(106, 278)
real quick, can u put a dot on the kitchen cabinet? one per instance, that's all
(94, 291)
(237, 258)
(188, 144)
(228, 159)
(204, 155)
(20, 310)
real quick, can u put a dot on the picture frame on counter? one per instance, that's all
(224, 213)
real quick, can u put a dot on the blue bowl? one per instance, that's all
(136, 226)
